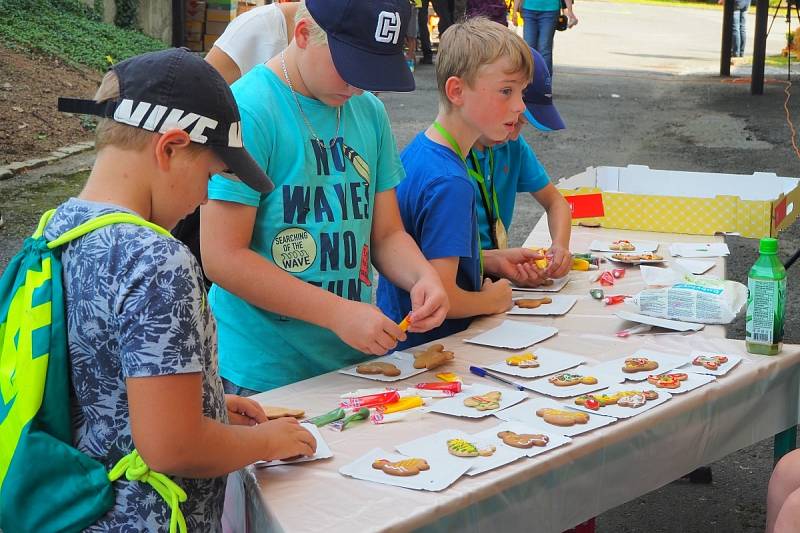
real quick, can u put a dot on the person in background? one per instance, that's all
(739, 27)
(539, 24)
(494, 10)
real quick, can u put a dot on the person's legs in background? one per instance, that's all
(742, 29)
(538, 30)
(530, 28)
(444, 10)
(736, 46)
(424, 35)
(411, 41)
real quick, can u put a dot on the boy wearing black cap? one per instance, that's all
(501, 170)
(293, 269)
(481, 71)
(142, 341)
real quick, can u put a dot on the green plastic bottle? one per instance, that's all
(766, 302)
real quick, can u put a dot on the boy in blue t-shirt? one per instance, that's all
(502, 170)
(481, 71)
(293, 269)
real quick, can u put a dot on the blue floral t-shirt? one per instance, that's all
(136, 307)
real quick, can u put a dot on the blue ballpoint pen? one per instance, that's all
(484, 373)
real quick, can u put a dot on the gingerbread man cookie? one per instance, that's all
(639, 364)
(523, 360)
(567, 380)
(622, 245)
(596, 401)
(711, 362)
(463, 448)
(667, 381)
(490, 400)
(532, 303)
(432, 357)
(378, 367)
(562, 417)
(403, 468)
(635, 398)
(523, 440)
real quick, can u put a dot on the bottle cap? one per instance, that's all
(768, 246)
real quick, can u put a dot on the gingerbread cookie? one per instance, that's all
(639, 364)
(547, 283)
(622, 245)
(433, 356)
(635, 399)
(378, 367)
(523, 360)
(532, 303)
(567, 380)
(403, 468)
(523, 440)
(273, 412)
(463, 448)
(711, 362)
(667, 381)
(650, 256)
(490, 400)
(561, 417)
(596, 401)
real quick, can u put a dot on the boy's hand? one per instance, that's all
(244, 411)
(429, 304)
(498, 294)
(515, 264)
(284, 438)
(559, 262)
(365, 328)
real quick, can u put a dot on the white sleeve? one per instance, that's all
(254, 37)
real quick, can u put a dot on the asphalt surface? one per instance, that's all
(636, 85)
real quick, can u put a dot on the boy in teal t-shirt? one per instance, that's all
(511, 167)
(293, 269)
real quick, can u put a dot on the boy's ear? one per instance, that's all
(302, 33)
(454, 90)
(167, 145)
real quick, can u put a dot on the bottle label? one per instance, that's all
(765, 310)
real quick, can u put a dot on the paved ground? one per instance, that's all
(635, 84)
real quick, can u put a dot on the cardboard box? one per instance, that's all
(216, 28)
(208, 41)
(220, 15)
(701, 203)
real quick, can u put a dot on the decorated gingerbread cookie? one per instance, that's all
(523, 440)
(378, 367)
(485, 402)
(639, 364)
(622, 245)
(711, 362)
(432, 357)
(567, 380)
(635, 399)
(562, 417)
(403, 468)
(596, 401)
(463, 448)
(667, 381)
(524, 360)
(532, 303)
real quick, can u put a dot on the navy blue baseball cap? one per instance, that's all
(538, 98)
(366, 40)
(175, 88)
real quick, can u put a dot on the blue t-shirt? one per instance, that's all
(516, 169)
(135, 307)
(437, 204)
(542, 5)
(315, 225)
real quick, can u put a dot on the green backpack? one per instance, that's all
(46, 484)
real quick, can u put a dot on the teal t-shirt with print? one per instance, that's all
(315, 225)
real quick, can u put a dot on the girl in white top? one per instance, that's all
(253, 38)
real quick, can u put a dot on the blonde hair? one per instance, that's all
(316, 35)
(467, 46)
(112, 133)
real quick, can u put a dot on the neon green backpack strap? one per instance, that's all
(135, 469)
(97, 223)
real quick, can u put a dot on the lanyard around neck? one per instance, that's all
(457, 149)
(491, 208)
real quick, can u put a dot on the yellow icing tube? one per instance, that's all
(403, 404)
(580, 264)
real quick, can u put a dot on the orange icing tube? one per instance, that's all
(403, 325)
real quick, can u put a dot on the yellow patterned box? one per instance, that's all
(702, 203)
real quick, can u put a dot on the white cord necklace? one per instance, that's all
(315, 138)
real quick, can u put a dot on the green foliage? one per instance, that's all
(125, 16)
(70, 31)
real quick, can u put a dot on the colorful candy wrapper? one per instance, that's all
(607, 278)
(618, 273)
